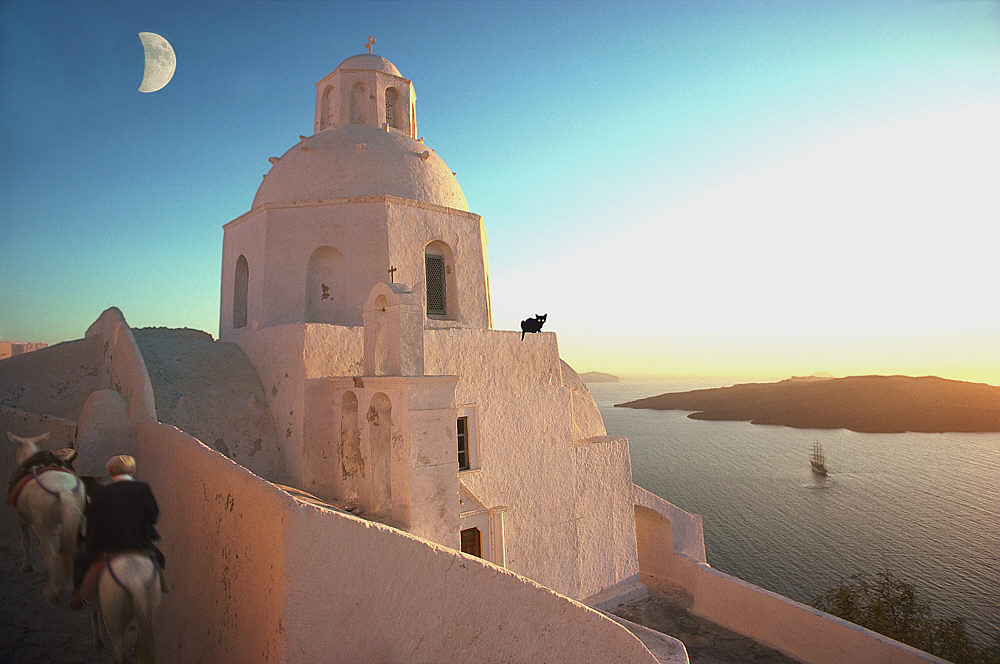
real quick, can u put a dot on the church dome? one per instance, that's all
(359, 160)
(370, 62)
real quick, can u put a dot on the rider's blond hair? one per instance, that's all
(121, 464)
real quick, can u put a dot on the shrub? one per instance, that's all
(889, 605)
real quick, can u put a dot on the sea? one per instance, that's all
(924, 506)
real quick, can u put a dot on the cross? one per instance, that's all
(371, 42)
(392, 275)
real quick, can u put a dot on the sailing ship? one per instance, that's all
(817, 460)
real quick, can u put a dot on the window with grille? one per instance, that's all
(463, 443)
(434, 267)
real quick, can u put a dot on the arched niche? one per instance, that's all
(241, 284)
(352, 461)
(325, 286)
(380, 437)
(359, 103)
(441, 290)
(381, 331)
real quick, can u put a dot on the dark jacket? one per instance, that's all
(121, 516)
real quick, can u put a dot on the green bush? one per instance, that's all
(889, 605)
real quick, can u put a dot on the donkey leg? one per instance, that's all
(116, 609)
(67, 552)
(144, 605)
(117, 625)
(95, 625)
(48, 542)
(25, 544)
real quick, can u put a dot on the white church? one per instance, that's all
(358, 286)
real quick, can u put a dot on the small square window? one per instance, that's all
(472, 542)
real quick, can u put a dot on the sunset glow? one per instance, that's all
(686, 188)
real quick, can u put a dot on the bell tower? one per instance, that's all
(366, 90)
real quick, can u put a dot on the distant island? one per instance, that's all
(867, 404)
(598, 377)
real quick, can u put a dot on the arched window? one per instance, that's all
(359, 103)
(240, 285)
(439, 267)
(392, 110)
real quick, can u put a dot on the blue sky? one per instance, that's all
(722, 188)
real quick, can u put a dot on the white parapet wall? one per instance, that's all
(257, 576)
(122, 367)
(672, 551)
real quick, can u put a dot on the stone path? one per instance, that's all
(31, 630)
(706, 642)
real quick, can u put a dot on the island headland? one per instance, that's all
(867, 404)
(598, 377)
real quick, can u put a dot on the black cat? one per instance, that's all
(533, 324)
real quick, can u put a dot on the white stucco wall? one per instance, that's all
(412, 226)
(222, 530)
(370, 234)
(430, 604)
(542, 448)
(570, 522)
(285, 357)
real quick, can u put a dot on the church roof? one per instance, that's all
(360, 160)
(369, 61)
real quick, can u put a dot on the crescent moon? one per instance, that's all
(160, 62)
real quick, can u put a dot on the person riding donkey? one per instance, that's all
(121, 517)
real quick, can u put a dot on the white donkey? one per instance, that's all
(50, 503)
(127, 589)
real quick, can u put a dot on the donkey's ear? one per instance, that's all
(32, 440)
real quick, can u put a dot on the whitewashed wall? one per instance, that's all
(669, 551)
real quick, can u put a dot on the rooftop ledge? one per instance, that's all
(353, 200)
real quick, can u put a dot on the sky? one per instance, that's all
(747, 189)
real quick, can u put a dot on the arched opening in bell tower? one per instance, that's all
(359, 103)
(326, 110)
(393, 113)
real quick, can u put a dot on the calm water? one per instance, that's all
(926, 506)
